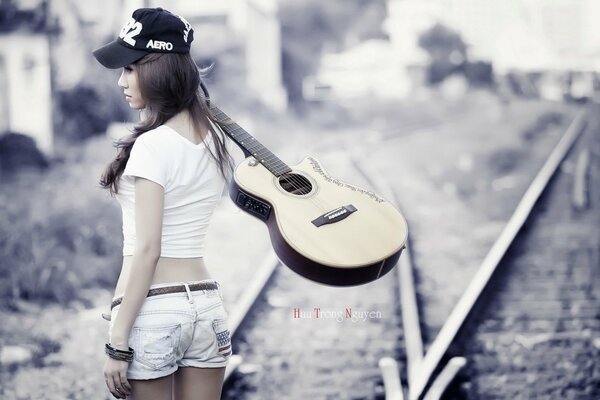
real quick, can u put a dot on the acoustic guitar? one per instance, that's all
(324, 229)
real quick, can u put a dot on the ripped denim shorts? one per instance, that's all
(184, 329)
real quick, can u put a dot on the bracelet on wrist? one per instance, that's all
(117, 354)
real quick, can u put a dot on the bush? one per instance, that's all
(439, 70)
(51, 260)
(85, 111)
(19, 151)
(541, 124)
(446, 50)
(479, 73)
(504, 160)
(58, 232)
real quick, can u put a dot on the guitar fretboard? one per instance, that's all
(249, 145)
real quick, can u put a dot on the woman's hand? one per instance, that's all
(115, 375)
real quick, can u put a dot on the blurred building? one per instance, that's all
(387, 69)
(34, 62)
(527, 34)
(255, 24)
(513, 35)
(264, 54)
(370, 68)
(87, 25)
(25, 73)
(572, 28)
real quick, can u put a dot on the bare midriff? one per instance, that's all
(167, 270)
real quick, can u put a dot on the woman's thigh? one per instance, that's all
(193, 383)
(152, 389)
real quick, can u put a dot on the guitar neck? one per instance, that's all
(248, 144)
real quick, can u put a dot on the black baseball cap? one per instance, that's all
(149, 30)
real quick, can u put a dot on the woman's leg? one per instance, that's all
(152, 389)
(192, 383)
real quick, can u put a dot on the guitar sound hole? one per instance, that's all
(295, 184)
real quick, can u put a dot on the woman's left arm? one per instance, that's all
(149, 204)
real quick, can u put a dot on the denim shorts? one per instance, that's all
(185, 329)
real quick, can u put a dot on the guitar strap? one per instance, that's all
(205, 91)
(207, 98)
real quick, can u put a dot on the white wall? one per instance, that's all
(263, 53)
(26, 84)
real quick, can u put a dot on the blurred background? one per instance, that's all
(456, 103)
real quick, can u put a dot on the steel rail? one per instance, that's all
(408, 293)
(471, 295)
(246, 301)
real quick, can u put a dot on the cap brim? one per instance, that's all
(115, 55)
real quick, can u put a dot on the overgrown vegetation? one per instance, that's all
(541, 124)
(87, 109)
(18, 151)
(448, 53)
(58, 232)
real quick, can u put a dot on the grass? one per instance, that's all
(57, 229)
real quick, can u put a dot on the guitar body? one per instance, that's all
(325, 230)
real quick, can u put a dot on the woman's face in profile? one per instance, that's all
(131, 89)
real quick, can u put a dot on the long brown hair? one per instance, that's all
(169, 83)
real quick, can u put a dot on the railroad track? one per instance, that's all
(245, 303)
(535, 329)
(334, 350)
(430, 374)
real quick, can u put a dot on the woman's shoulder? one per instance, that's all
(158, 136)
(157, 133)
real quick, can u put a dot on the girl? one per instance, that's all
(168, 329)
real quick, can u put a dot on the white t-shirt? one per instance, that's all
(193, 186)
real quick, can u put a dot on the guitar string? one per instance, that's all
(294, 181)
(292, 178)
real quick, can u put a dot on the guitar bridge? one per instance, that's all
(334, 215)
